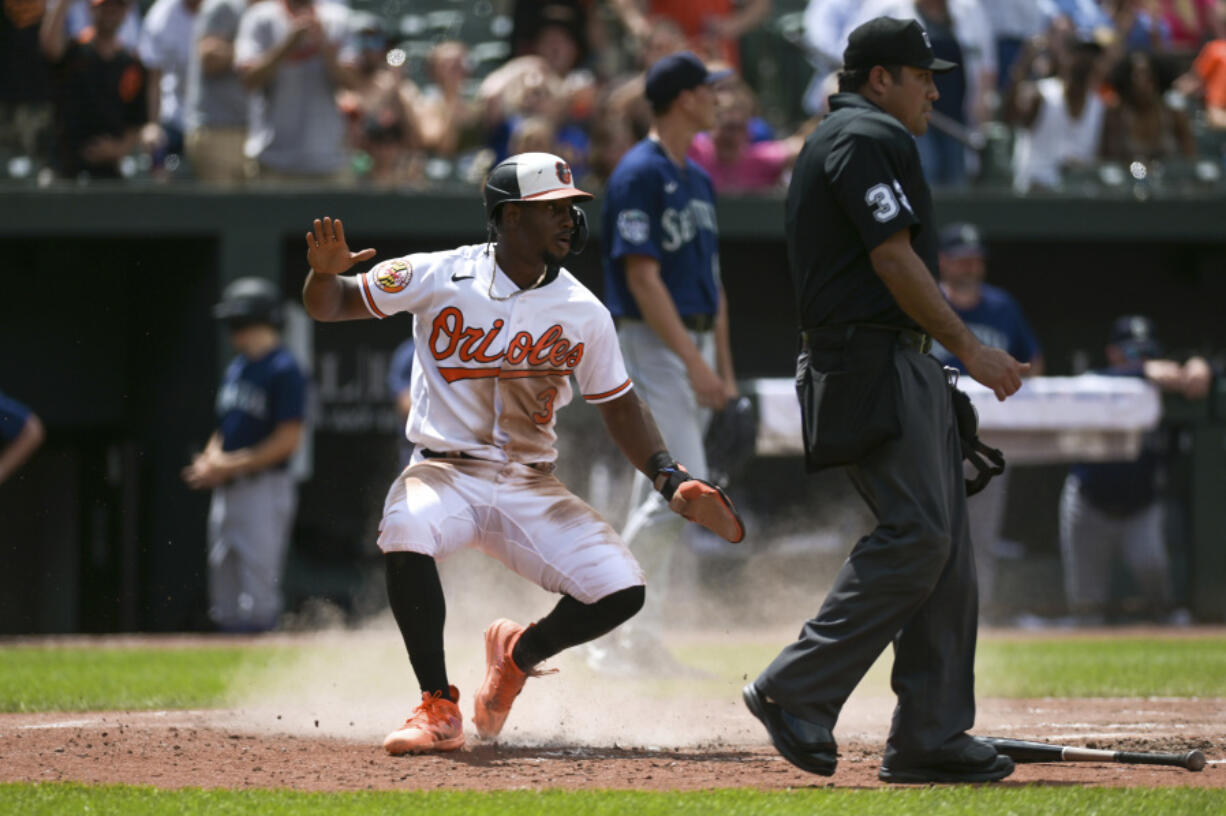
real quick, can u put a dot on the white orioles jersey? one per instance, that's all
(493, 361)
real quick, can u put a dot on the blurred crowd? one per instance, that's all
(1051, 89)
(235, 91)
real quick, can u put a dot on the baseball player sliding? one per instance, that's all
(500, 328)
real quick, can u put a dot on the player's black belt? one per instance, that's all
(543, 467)
(907, 338)
(693, 322)
(698, 322)
(431, 454)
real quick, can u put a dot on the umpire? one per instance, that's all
(863, 252)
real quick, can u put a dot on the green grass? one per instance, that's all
(1119, 667)
(1008, 667)
(954, 801)
(85, 679)
(52, 678)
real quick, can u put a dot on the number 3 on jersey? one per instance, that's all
(882, 200)
(884, 203)
(546, 413)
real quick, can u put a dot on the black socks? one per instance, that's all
(416, 597)
(415, 594)
(571, 623)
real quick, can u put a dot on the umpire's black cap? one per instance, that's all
(889, 41)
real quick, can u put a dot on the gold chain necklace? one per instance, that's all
(494, 274)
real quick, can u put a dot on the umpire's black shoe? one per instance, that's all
(967, 760)
(806, 745)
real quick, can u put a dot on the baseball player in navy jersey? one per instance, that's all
(21, 432)
(662, 284)
(1113, 511)
(500, 329)
(260, 406)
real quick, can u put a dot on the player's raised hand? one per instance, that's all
(327, 251)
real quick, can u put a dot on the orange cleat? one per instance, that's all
(435, 725)
(503, 679)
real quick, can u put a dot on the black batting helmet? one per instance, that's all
(535, 177)
(250, 300)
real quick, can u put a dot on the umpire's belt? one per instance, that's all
(693, 322)
(543, 467)
(837, 336)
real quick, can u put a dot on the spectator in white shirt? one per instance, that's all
(1059, 118)
(293, 56)
(216, 104)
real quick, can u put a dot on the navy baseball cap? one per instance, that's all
(890, 41)
(962, 239)
(669, 76)
(1134, 334)
(249, 300)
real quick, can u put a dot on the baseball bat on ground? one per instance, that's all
(1027, 751)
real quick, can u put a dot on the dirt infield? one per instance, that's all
(317, 723)
(233, 749)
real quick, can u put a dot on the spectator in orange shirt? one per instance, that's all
(713, 27)
(1208, 74)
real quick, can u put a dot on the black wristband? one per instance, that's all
(660, 460)
(660, 464)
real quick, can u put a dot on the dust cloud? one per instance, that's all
(356, 683)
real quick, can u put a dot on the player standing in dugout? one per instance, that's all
(862, 246)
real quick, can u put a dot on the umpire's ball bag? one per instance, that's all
(848, 394)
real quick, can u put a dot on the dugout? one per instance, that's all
(105, 324)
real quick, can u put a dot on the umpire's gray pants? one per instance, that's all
(911, 580)
(249, 526)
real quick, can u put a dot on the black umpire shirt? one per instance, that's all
(857, 181)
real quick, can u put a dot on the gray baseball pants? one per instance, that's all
(661, 381)
(986, 515)
(1091, 541)
(249, 526)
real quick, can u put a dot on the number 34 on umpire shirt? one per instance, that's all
(857, 181)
